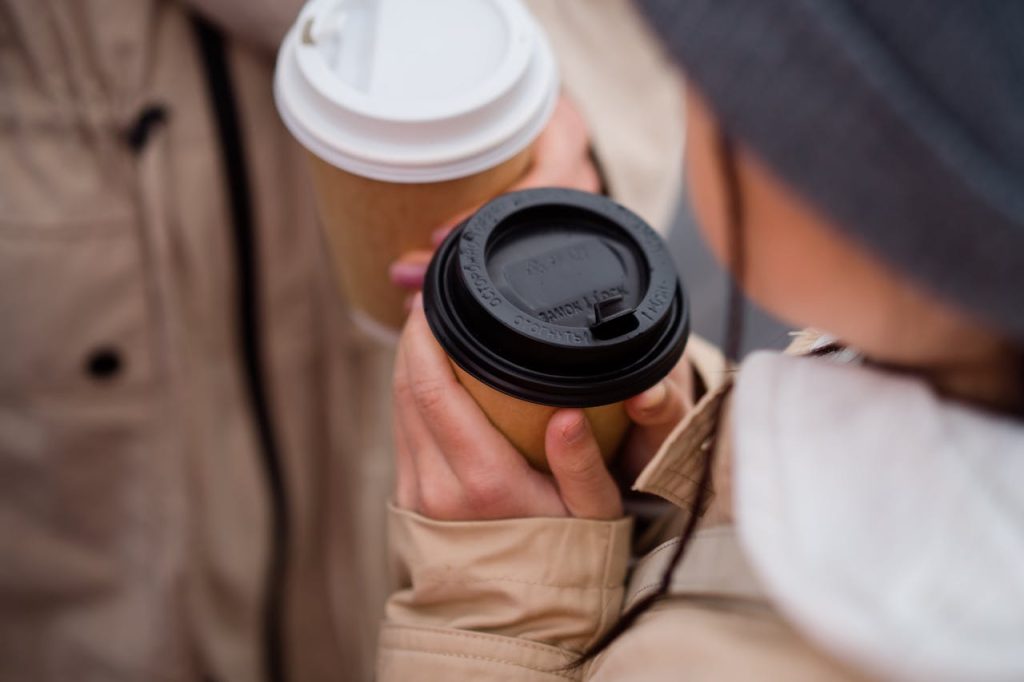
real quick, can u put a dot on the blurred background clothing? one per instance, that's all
(194, 442)
(707, 284)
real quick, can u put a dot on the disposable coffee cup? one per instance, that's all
(411, 112)
(555, 298)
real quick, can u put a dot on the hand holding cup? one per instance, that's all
(454, 465)
(561, 158)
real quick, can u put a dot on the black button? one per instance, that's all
(149, 118)
(104, 363)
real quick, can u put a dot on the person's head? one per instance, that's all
(875, 147)
(859, 166)
(801, 267)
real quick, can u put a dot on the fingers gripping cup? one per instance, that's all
(411, 111)
(556, 298)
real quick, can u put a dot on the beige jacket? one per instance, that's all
(189, 491)
(520, 599)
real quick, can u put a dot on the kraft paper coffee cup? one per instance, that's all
(554, 298)
(412, 112)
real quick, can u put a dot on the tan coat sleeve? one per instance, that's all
(499, 600)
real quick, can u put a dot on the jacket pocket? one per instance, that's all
(89, 523)
(73, 306)
(72, 294)
(78, 395)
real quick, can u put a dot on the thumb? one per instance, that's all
(587, 489)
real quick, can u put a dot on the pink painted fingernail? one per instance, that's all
(407, 274)
(438, 235)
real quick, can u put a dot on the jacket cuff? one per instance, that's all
(553, 581)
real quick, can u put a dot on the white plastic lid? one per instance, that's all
(415, 90)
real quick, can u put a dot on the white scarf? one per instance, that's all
(887, 523)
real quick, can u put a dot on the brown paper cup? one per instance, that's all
(410, 117)
(552, 297)
(525, 424)
(370, 223)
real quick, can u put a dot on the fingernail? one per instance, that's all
(417, 300)
(438, 235)
(651, 399)
(575, 431)
(407, 274)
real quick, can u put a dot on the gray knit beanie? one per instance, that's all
(902, 120)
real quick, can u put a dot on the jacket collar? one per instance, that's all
(674, 472)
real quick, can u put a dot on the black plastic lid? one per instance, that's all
(558, 297)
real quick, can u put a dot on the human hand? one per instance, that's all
(561, 158)
(655, 413)
(454, 465)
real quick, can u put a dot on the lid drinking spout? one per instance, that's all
(610, 321)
